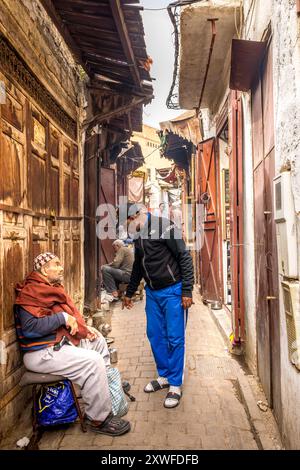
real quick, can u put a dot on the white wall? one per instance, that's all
(249, 252)
(286, 73)
(286, 70)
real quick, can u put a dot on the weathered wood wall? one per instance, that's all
(40, 172)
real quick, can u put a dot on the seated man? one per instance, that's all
(44, 314)
(119, 270)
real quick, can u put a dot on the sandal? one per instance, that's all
(112, 426)
(175, 397)
(155, 386)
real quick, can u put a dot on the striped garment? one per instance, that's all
(31, 343)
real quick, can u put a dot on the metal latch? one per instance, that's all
(271, 297)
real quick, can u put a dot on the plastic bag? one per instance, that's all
(56, 404)
(118, 399)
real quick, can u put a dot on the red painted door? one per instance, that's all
(267, 302)
(210, 280)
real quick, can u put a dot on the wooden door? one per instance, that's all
(39, 211)
(210, 278)
(107, 196)
(267, 302)
(15, 229)
(91, 202)
(237, 218)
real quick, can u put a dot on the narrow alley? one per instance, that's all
(219, 405)
(149, 172)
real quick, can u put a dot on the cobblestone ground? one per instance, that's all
(211, 414)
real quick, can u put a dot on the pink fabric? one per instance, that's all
(136, 189)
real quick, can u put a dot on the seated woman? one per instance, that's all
(119, 270)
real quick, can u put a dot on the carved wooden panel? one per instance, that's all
(39, 187)
(38, 160)
(13, 148)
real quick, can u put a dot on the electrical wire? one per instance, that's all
(155, 9)
(134, 159)
(174, 4)
(151, 153)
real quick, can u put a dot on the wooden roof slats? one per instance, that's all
(104, 52)
(93, 33)
(124, 2)
(83, 5)
(107, 75)
(89, 20)
(118, 74)
(100, 30)
(107, 39)
(107, 61)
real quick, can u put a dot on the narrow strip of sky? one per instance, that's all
(159, 42)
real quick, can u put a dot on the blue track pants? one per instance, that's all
(166, 321)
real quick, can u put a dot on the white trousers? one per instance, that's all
(85, 365)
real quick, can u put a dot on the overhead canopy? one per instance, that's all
(186, 126)
(246, 58)
(195, 75)
(107, 39)
(176, 148)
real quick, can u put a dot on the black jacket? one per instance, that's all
(161, 258)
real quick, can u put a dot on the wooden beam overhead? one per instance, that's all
(119, 89)
(125, 39)
(123, 109)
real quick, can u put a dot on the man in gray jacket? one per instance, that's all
(119, 270)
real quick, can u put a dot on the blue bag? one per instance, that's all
(56, 404)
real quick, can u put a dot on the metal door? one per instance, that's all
(267, 303)
(210, 279)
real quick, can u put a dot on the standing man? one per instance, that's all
(161, 258)
(119, 270)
